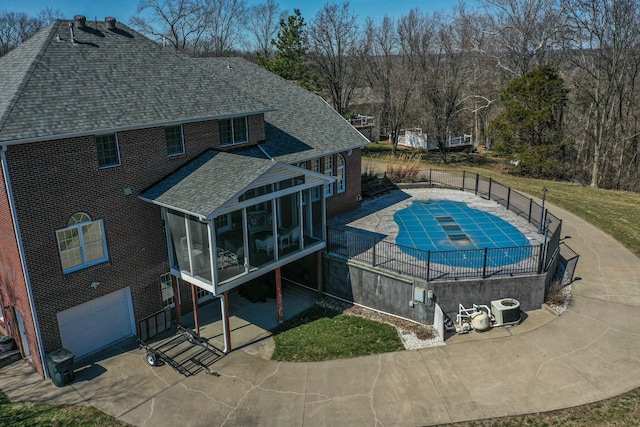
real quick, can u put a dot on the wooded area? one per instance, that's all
(549, 84)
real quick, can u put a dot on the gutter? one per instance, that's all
(25, 271)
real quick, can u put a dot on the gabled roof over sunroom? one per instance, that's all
(216, 181)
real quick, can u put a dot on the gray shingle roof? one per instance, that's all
(107, 80)
(303, 126)
(199, 188)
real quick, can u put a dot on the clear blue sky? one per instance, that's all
(122, 10)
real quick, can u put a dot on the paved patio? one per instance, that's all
(588, 353)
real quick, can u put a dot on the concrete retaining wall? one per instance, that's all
(395, 294)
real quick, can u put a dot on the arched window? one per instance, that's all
(341, 175)
(82, 243)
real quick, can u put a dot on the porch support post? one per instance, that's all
(176, 297)
(194, 298)
(319, 272)
(279, 294)
(224, 308)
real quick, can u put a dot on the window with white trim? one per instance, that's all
(342, 183)
(175, 140)
(108, 151)
(233, 131)
(166, 287)
(82, 243)
(328, 170)
(315, 191)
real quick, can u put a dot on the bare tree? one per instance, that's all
(485, 82)
(48, 15)
(604, 53)
(444, 83)
(225, 20)
(182, 23)
(522, 32)
(391, 68)
(17, 27)
(335, 40)
(263, 23)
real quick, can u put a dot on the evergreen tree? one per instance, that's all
(291, 48)
(530, 129)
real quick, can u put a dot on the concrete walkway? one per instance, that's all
(588, 353)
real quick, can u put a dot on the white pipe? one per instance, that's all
(265, 153)
(25, 270)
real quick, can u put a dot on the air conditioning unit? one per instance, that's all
(505, 311)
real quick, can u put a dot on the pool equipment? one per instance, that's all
(505, 311)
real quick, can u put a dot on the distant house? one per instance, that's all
(366, 126)
(131, 172)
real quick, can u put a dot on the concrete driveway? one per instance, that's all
(588, 353)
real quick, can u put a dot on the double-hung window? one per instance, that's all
(233, 131)
(108, 152)
(328, 170)
(174, 139)
(82, 243)
(341, 185)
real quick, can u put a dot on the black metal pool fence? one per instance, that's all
(369, 249)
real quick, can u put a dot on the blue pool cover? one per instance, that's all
(457, 235)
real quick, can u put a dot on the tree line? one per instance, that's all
(550, 84)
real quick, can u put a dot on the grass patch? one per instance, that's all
(30, 414)
(623, 410)
(323, 334)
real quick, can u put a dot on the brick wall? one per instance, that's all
(340, 203)
(13, 288)
(55, 179)
(208, 132)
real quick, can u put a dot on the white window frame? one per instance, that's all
(108, 165)
(166, 284)
(78, 224)
(182, 150)
(315, 191)
(341, 175)
(234, 140)
(328, 170)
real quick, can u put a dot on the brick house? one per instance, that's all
(131, 173)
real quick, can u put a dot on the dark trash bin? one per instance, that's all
(60, 367)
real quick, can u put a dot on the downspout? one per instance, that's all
(23, 260)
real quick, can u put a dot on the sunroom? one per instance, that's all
(232, 218)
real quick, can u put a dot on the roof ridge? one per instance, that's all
(44, 38)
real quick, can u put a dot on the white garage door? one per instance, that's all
(97, 323)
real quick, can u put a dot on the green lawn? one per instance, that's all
(33, 414)
(615, 212)
(322, 334)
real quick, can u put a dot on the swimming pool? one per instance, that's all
(446, 227)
